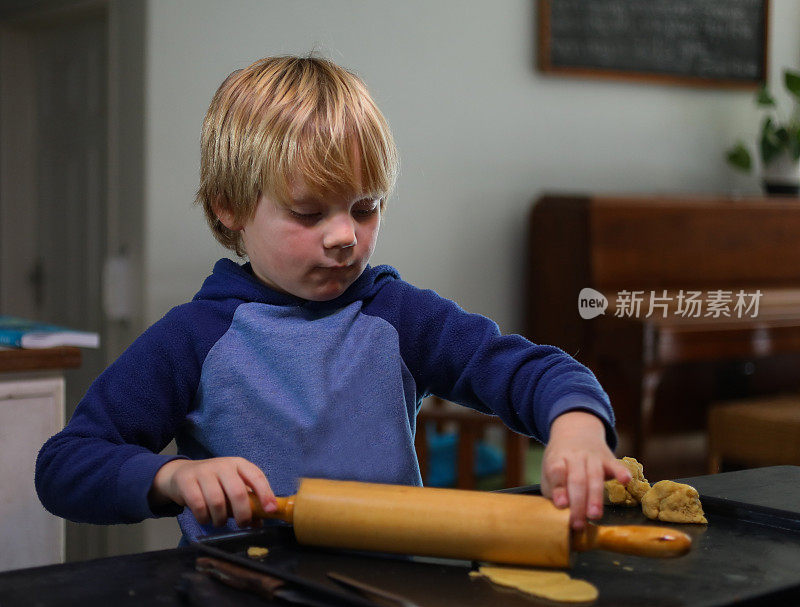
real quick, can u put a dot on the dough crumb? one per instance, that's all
(551, 585)
(257, 552)
(673, 502)
(630, 494)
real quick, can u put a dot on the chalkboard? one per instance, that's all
(696, 42)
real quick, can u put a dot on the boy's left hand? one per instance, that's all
(576, 463)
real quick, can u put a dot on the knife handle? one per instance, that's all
(285, 511)
(640, 540)
(238, 577)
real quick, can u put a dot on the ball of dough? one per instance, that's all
(631, 493)
(673, 503)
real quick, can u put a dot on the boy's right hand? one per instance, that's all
(213, 489)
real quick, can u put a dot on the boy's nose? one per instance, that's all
(341, 234)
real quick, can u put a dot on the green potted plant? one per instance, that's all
(778, 143)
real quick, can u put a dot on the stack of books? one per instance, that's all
(23, 333)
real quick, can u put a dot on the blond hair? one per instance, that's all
(283, 117)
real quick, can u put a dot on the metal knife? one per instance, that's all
(259, 583)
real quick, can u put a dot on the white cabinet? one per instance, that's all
(31, 411)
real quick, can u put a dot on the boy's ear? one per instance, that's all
(227, 218)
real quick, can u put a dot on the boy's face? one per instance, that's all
(316, 247)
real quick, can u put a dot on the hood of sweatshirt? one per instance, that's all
(229, 280)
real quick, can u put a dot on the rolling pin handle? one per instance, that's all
(640, 540)
(285, 511)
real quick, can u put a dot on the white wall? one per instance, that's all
(480, 131)
(481, 134)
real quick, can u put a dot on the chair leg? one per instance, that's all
(714, 462)
(466, 456)
(421, 446)
(516, 445)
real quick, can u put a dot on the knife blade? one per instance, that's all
(379, 595)
(262, 584)
(330, 596)
(258, 583)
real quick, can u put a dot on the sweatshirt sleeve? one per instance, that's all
(464, 358)
(100, 467)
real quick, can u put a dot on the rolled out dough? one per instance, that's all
(551, 585)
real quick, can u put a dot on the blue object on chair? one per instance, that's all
(442, 459)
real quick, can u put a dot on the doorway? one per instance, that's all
(71, 148)
(59, 268)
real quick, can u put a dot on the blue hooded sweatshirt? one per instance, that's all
(300, 388)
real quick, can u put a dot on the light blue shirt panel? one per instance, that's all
(303, 393)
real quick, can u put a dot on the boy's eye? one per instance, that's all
(365, 210)
(308, 217)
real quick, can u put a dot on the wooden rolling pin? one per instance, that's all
(453, 523)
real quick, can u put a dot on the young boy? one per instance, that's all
(305, 361)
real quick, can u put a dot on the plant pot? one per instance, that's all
(782, 176)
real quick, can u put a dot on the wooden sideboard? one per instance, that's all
(31, 410)
(660, 246)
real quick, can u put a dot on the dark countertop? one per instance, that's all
(772, 493)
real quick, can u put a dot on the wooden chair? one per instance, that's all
(470, 426)
(761, 431)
